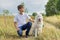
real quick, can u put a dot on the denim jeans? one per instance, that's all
(26, 27)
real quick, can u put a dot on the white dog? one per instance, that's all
(38, 24)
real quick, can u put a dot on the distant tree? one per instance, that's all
(58, 6)
(51, 8)
(22, 3)
(34, 14)
(5, 13)
(26, 10)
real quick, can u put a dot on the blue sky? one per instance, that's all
(31, 5)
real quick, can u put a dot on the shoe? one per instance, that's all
(26, 36)
(20, 35)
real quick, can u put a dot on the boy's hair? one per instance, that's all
(20, 6)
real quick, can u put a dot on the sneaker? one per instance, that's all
(26, 36)
(20, 35)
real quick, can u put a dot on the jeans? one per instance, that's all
(26, 27)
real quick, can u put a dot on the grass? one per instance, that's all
(51, 29)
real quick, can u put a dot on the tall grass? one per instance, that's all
(50, 32)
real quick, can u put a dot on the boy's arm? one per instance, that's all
(15, 24)
(31, 20)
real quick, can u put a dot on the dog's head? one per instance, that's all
(39, 17)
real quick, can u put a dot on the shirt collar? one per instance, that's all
(22, 14)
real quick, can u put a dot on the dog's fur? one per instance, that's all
(38, 24)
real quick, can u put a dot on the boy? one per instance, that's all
(20, 21)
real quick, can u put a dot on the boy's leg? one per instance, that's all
(25, 26)
(29, 24)
(21, 29)
(19, 32)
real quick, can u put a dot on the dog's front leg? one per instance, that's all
(36, 32)
(40, 29)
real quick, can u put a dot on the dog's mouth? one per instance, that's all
(39, 20)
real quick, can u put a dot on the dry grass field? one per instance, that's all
(51, 30)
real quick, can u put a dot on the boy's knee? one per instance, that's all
(29, 23)
(19, 33)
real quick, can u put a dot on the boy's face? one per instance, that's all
(21, 10)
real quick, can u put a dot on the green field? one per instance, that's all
(51, 30)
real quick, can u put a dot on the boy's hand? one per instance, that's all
(31, 20)
(15, 24)
(17, 29)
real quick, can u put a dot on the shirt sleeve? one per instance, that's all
(15, 19)
(28, 17)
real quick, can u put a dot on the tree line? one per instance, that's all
(53, 7)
